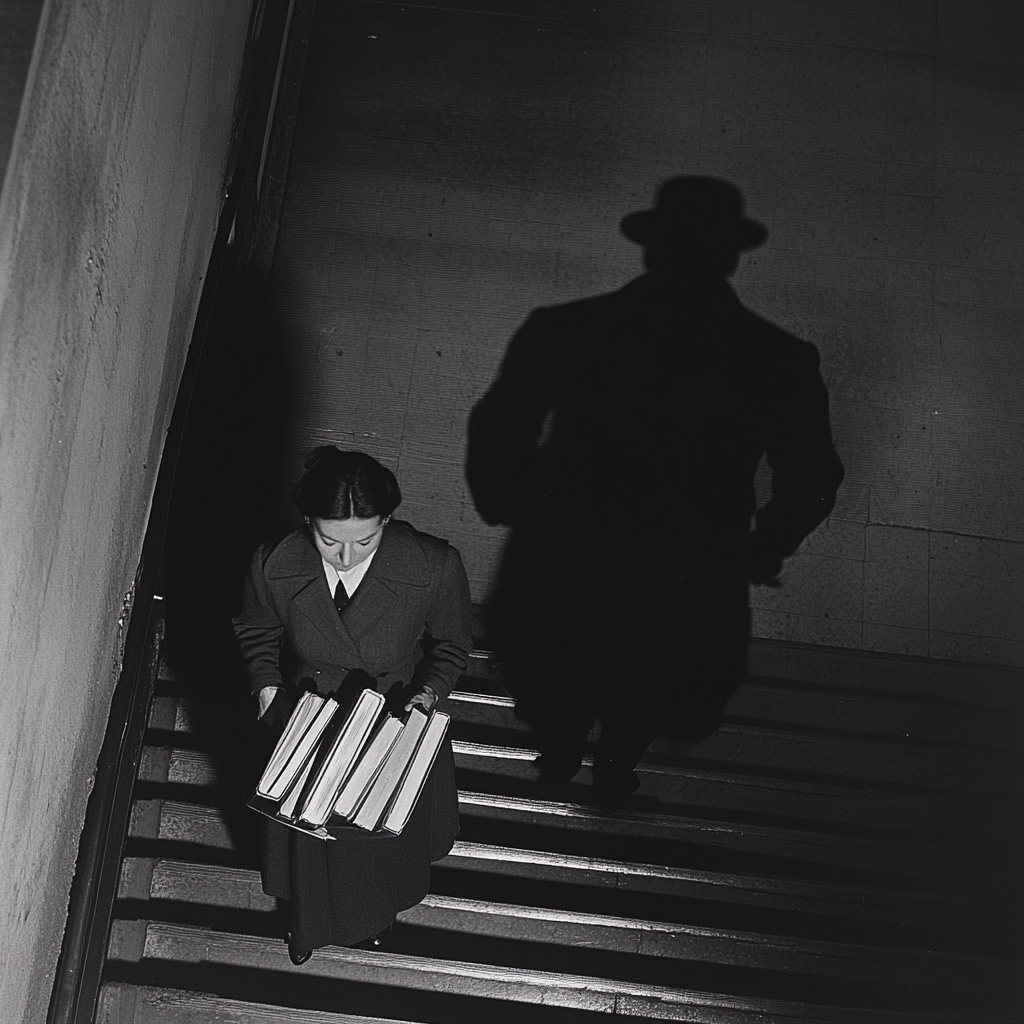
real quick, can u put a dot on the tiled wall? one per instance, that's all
(458, 166)
(899, 590)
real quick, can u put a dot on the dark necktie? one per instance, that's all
(340, 597)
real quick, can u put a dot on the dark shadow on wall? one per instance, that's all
(229, 496)
(620, 442)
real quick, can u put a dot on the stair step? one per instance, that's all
(878, 740)
(782, 704)
(899, 765)
(797, 844)
(931, 817)
(142, 1004)
(177, 821)
(191, 882)
(237, 887)
(185, 821)
(871, 814)
(896, 762)
(181, 882)
(204, 828)
(675, 785)
(184, 945)
(767, 891)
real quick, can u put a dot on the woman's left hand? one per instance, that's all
(424, 698)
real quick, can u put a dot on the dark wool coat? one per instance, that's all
(620, 441)
(408, 624)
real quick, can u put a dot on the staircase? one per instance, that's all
(845, 849)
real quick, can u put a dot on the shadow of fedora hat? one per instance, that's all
(692, 208)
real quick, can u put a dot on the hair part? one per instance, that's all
(345, 485)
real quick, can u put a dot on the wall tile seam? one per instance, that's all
(980, 537)
(932, 632)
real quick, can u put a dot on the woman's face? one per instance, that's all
(345, 543)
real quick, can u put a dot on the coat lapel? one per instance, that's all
(398, 565)
(296, 559)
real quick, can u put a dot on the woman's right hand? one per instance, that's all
(275, 707)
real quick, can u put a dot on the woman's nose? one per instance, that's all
(345, 557)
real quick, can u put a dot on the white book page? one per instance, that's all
(307, 739)
(419, 767)
(346, 748)
(384, 785)
(353, 791)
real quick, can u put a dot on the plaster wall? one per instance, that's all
(107, 216)
(457, 165)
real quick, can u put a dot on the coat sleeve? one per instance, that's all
(506, 424)
(806, 471)
(258, 629)
(449, 630)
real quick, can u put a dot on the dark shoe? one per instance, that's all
(296, 955)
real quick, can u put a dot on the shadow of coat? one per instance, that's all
(620, 441)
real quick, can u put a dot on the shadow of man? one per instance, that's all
(620, 442)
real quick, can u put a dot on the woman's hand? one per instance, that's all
(425, 698)
(276, 707)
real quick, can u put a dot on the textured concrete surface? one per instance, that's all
(107, 216)
(460, 164)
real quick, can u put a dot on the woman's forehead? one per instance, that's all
(347, 531)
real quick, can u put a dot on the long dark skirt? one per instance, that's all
(345, 890)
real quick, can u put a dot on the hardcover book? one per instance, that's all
(337, 759)
(362, 770)
(388, 779)
(304, 728)
(415, 777)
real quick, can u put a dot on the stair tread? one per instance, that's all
(929, 815)
(866, 813)
(184, 944)
(817, 859)
(879, 716)
(240, 887)
(809, 846)
(182, 882)
(143, 1004)
(856, 758)
(187, 821)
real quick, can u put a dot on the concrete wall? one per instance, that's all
(19, 20)
(458, 165)
(107, 216)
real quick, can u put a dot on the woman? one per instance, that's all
(355, 599)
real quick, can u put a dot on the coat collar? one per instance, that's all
(677, 288)
(399, 564)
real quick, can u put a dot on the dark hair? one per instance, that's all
(345, 485)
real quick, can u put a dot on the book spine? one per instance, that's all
(336, 759)
(410, 789)
(288, 740)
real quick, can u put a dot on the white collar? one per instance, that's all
(352, 578)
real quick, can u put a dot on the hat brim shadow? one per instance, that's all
(646, 227)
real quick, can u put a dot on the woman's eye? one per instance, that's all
(364, 543)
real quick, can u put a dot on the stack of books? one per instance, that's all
(365, 769)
